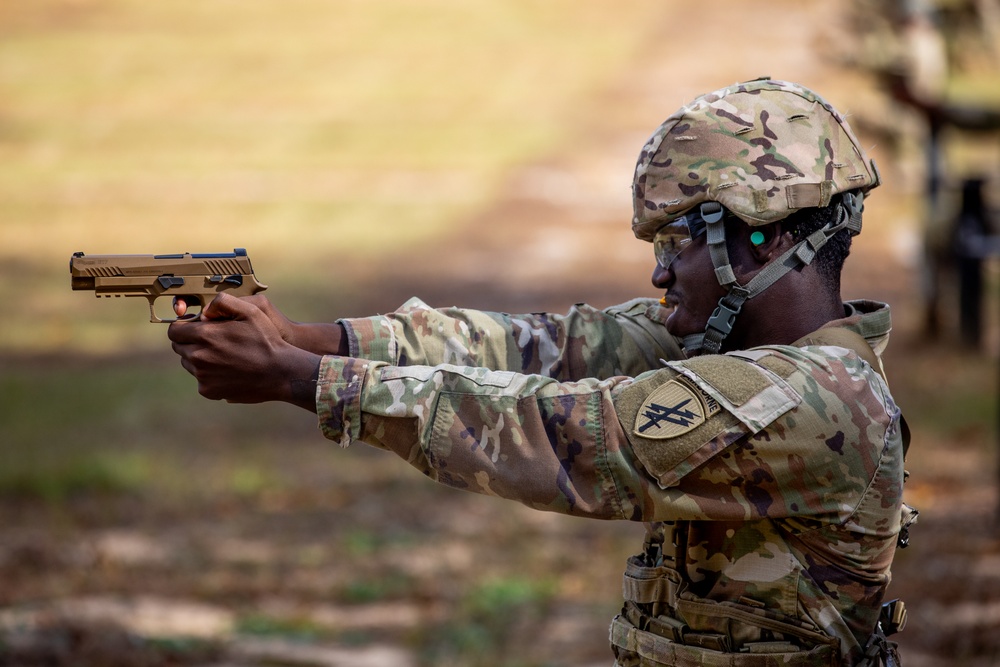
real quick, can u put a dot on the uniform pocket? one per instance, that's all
(647, 585)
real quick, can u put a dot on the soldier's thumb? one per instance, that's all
(227, 307)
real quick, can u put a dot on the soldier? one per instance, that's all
(743, 417)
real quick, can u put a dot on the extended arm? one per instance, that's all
(591, 447)
(587, 448)
(586, 342)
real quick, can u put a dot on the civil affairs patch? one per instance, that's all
(673, 409)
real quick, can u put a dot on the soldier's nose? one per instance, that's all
(661, 277)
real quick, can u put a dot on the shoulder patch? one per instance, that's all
(737, 381)
(780, 367)
(673, 409)
(673, 424)
(752, 393)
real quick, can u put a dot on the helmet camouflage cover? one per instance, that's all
(761, 149)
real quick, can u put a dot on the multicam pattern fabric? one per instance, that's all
(789, 493)
(775, 147)
(586, 342)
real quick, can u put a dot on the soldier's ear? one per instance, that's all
(764, 241)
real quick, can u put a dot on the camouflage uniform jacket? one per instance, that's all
(778, 470)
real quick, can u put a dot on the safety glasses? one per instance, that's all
(674, 237)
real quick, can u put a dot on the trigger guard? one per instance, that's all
(154, 318)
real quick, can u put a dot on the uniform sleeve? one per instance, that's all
(548, 444)
(586, 342)
(713, 438)
(806, 434)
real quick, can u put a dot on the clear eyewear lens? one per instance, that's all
(669, 242)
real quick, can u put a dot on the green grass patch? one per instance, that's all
(503, 597)
(385, 586)
(954, 395)
(359, 542)
(290, 627)
(490, 614)
(82, 474)
(129, 425)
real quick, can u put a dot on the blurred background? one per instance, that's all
(475, 153)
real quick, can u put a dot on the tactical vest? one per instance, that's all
(663, 623)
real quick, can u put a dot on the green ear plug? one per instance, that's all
(757, 238)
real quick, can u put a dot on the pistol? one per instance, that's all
(198, 276)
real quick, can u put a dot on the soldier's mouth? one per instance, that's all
(669, 300)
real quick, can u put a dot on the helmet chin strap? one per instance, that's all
(720, 324)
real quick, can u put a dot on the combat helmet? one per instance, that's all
(761, 150)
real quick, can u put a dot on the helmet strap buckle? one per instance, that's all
(720, 324)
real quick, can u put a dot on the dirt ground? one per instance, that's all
(365, 563)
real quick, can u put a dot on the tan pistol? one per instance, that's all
(194, 276)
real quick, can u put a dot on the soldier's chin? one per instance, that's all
(679, 325)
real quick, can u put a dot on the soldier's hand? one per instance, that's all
(237, 353)
(319, 338)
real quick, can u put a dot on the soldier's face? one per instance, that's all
(691, 287)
